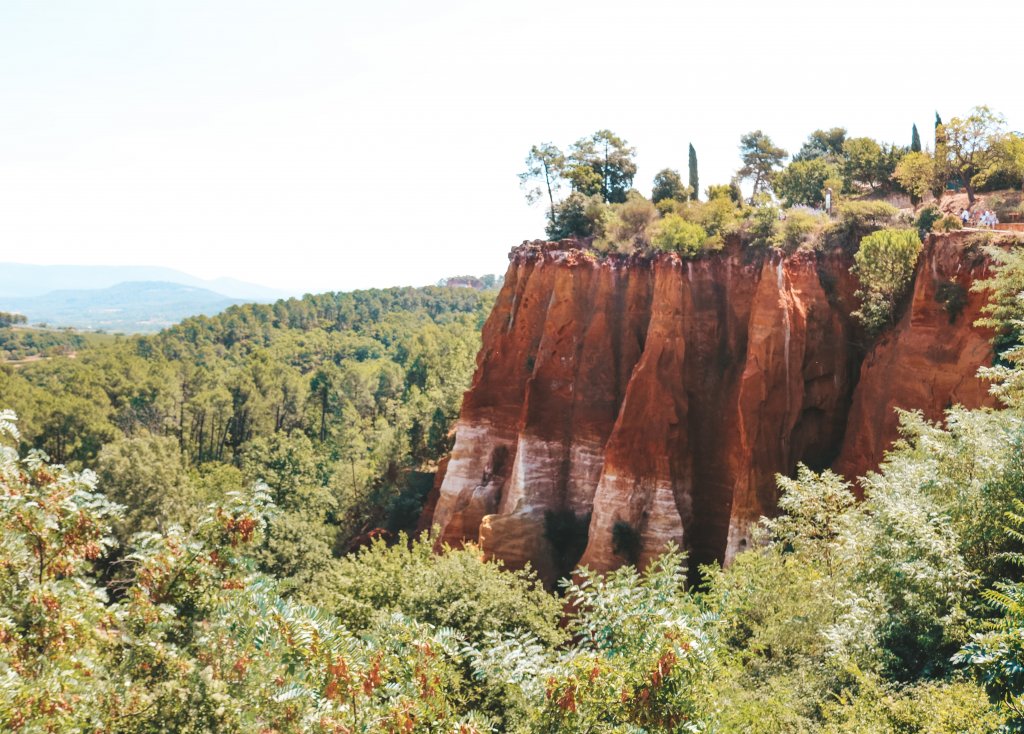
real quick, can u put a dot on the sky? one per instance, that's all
(313, 145)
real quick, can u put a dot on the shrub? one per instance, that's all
(953, 298)
(862, 214)
(763, 225)
(627, 226)
(855, 219)
(926, 219)
(718, 216)
(454, 589)
(577, 216)
(675, 234)
(1006, 204)
(798, 229)
(884, 265)
(947, 223)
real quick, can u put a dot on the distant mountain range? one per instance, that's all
(133, 307)
(18, 280)
(130, 299)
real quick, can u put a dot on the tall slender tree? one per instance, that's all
(544, 166)
(915, 140)
(941, 158)
(694, 178)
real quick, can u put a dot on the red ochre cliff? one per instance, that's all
(656, 398)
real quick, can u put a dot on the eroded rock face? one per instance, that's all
(632, 402)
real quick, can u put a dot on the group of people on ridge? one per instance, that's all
(986, 218)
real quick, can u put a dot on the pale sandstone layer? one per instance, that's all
(655, 399)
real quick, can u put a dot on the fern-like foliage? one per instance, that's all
(997, 654)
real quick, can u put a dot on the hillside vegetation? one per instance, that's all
(337, 396)
(900, 613)
(854, 179)
(201, 530)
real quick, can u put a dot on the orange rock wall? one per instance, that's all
(662, 396)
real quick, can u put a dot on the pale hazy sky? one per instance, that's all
(334, 145)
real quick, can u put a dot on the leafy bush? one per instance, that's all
(762, 224)
(456, 589)
(643, 658)
(798, 228)
(627, 226)
(1006, 203)
(947, 223)
(719, 216)
(953, 298)
(884, 265)
(674, 234)
(1004, 312)
(996, 653)
(855, 219)
(865, 214)
(577, 216)
(926, 220)
(940, 707)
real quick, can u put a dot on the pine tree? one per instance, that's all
(915, 140)
(694, 179)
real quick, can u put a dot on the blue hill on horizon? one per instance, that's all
(131, 307)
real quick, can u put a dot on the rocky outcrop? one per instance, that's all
(625, 403)
(928, 361)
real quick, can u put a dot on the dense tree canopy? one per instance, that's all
(823, 144)
(971, 145)
(668, 184)
(602, 164)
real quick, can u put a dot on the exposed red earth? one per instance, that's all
(660, 396)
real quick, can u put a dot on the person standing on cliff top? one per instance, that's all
(828, 201)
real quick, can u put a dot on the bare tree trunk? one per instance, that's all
(551, 196)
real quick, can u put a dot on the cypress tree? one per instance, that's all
(941, 166)
(694, 180)
(915, 140)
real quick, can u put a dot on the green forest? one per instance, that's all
(213, 529)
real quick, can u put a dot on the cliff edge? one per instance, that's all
(620, 404)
